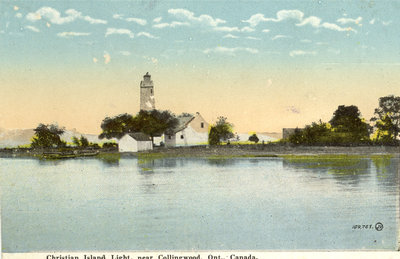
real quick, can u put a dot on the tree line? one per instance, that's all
(346, 127)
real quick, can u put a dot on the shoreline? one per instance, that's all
(223, 151)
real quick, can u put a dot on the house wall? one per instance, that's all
(127, 144)
(170, 142)
(190, 137)
(197, 122)
(144, 145)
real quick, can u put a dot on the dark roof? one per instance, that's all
(183, 121)
(139, 136)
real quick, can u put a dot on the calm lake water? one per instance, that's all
(200, 204)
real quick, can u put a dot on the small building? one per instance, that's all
(287, 132)
(135, 142)
(191, 130)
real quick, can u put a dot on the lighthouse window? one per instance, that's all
(151, 90)
(202, 125)
(181, 136)
(169, 137)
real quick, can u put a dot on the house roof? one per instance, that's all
(183, 121)
(139, 136)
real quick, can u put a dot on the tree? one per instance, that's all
(389, 108)
(254, 138)
(84, 141)
(152, 123)
(385, 131)
(349, 125)
(47, 136)
(76, 141)
(220, 131)
(118, 126)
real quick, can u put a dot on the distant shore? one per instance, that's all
(226, 151)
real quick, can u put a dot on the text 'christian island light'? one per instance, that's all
(147, 101)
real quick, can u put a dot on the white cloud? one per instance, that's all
(154, 61)
(130, 19)
(281, 15)
(111, 31)
(349, 20)
(54, 16)
(233, 29)
(72, 34)
(312, 20)
(173, 24)
(335, 27)
(231, 36)
(252, 38)
(372, 21)
(294, 53)
(32, 28)
(280, 37)
(107, 58)
(266, 30)
(386, 23)
(125, 53)
(230, 51)
(202, 19)
(16, 8)
(18, 15)
(146, 34)
(306, 41)
(137, 20)
(157, 20)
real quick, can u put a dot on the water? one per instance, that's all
(200, 204)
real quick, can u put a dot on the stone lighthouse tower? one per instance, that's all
(147, 101)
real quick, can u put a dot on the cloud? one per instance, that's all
(233, 29)
(16, 8)
(306, 41)
(173, 24)
(294, 53)
(349, 20)
(18, 15)
(32, 28)
(312, 20)
(202, 19)
(335, 27)
(386, 23)
(230, 51)
(95, 60)
(154, 61)
(54, 16)
(107, 58)
(111, 31)
(72, 34)
(281, 15)
(252, 38)
(230, 36)
(280, 37)
(157, 20)
(292, 109)
(372, 21)
(125, 53)
(146, 34)
(266, 30)
(130, 19)
(269, 82)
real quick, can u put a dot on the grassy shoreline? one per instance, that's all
(228, 151)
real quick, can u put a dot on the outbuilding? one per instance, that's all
(135, 142)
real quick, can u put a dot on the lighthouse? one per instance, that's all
(147, 101)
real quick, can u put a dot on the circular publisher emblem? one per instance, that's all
(378, 226)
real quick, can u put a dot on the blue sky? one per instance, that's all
(226, 48)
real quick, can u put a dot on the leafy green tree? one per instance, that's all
(389, 108)
(76, 141)
(47, 136)
(118, 126)
(316, 133)
(221, 131)
(152, 123)
(254, 138)
(348, 125)
(84, 141)
(385, 131)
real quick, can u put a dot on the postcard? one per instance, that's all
(154, 129)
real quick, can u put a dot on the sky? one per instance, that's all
(264, 65)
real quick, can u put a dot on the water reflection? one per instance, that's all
(346, 170)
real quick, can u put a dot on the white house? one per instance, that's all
(134, 142)
(190, 131)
